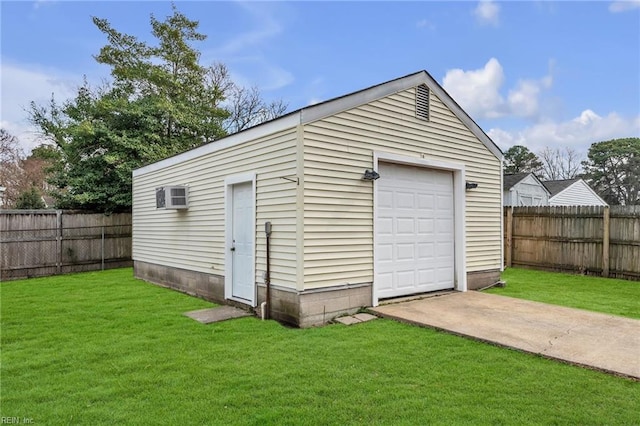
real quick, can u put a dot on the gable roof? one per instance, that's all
(511, 180)
(327, 108)
(556, 186)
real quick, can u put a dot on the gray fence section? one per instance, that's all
(47, 242)
(590, 240)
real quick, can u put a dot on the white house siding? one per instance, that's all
(577, 194)
(194, 239)
(338, 214)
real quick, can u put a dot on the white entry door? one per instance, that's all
(414, 237)
(242, 236)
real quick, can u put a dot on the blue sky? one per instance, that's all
(557, 74)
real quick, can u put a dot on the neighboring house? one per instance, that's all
(389, 191)
(524, 189)
(572, 192)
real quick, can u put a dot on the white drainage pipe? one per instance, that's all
(263, 310)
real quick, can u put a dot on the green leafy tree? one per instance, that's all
(161, 102)
(518, 159)
(169, 77)
(613, 170)
(31, 199)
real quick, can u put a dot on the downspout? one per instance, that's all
(267, 275)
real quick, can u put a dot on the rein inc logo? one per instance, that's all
(16, 420)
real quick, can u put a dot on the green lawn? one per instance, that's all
(104, 348)
(608, 295)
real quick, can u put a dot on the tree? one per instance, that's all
(245, 105)
(10, 171)
(19, 174)
(559, 164)
(161, 102)
(518, 159)
(30, 200)
(169, 76)
(613, 170)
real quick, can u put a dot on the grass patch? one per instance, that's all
(104, 348)
(607, 295)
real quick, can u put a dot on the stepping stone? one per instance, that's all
(364, 317)
(217, 314)
(355, 319)
(348, 320)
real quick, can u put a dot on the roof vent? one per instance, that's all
(422, 102)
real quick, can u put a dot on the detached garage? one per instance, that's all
(386, 192)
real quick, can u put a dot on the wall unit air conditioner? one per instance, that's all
(172, 197)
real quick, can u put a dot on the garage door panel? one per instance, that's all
(405, 225)
(414, 250)
(384, 252)
(385, 227)
(404, 200)
(426, 251)
(426, 227)
(426, 276)
(384, 281)
(405, 252)
(385, 198)
(406, 279)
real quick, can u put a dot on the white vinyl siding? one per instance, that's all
(194, 239)
(338, 215)
(577, 194)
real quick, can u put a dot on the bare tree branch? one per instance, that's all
(559, 164)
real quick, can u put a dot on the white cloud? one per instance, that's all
(487, 13)
(623, 6)
(478, 92)
(40, 3)
(425, 23)
(22, 84)
(578, 133)
(243, 52)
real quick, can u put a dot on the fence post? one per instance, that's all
(509, 245)
(605, 241)
(102, 248)
(59, 240)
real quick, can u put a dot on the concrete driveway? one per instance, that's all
(600, 341)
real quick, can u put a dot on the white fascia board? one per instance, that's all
(331, 107)
(259, 131)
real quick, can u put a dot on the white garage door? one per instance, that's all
(414, 245)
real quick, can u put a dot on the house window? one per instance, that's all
(422, 102)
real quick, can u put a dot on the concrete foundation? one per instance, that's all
(313, 307)
(206, 286)
(306, 308)
(478, 280)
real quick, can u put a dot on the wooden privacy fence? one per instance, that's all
(590, 240)
(47, 242)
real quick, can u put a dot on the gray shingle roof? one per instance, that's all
(508, 181)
